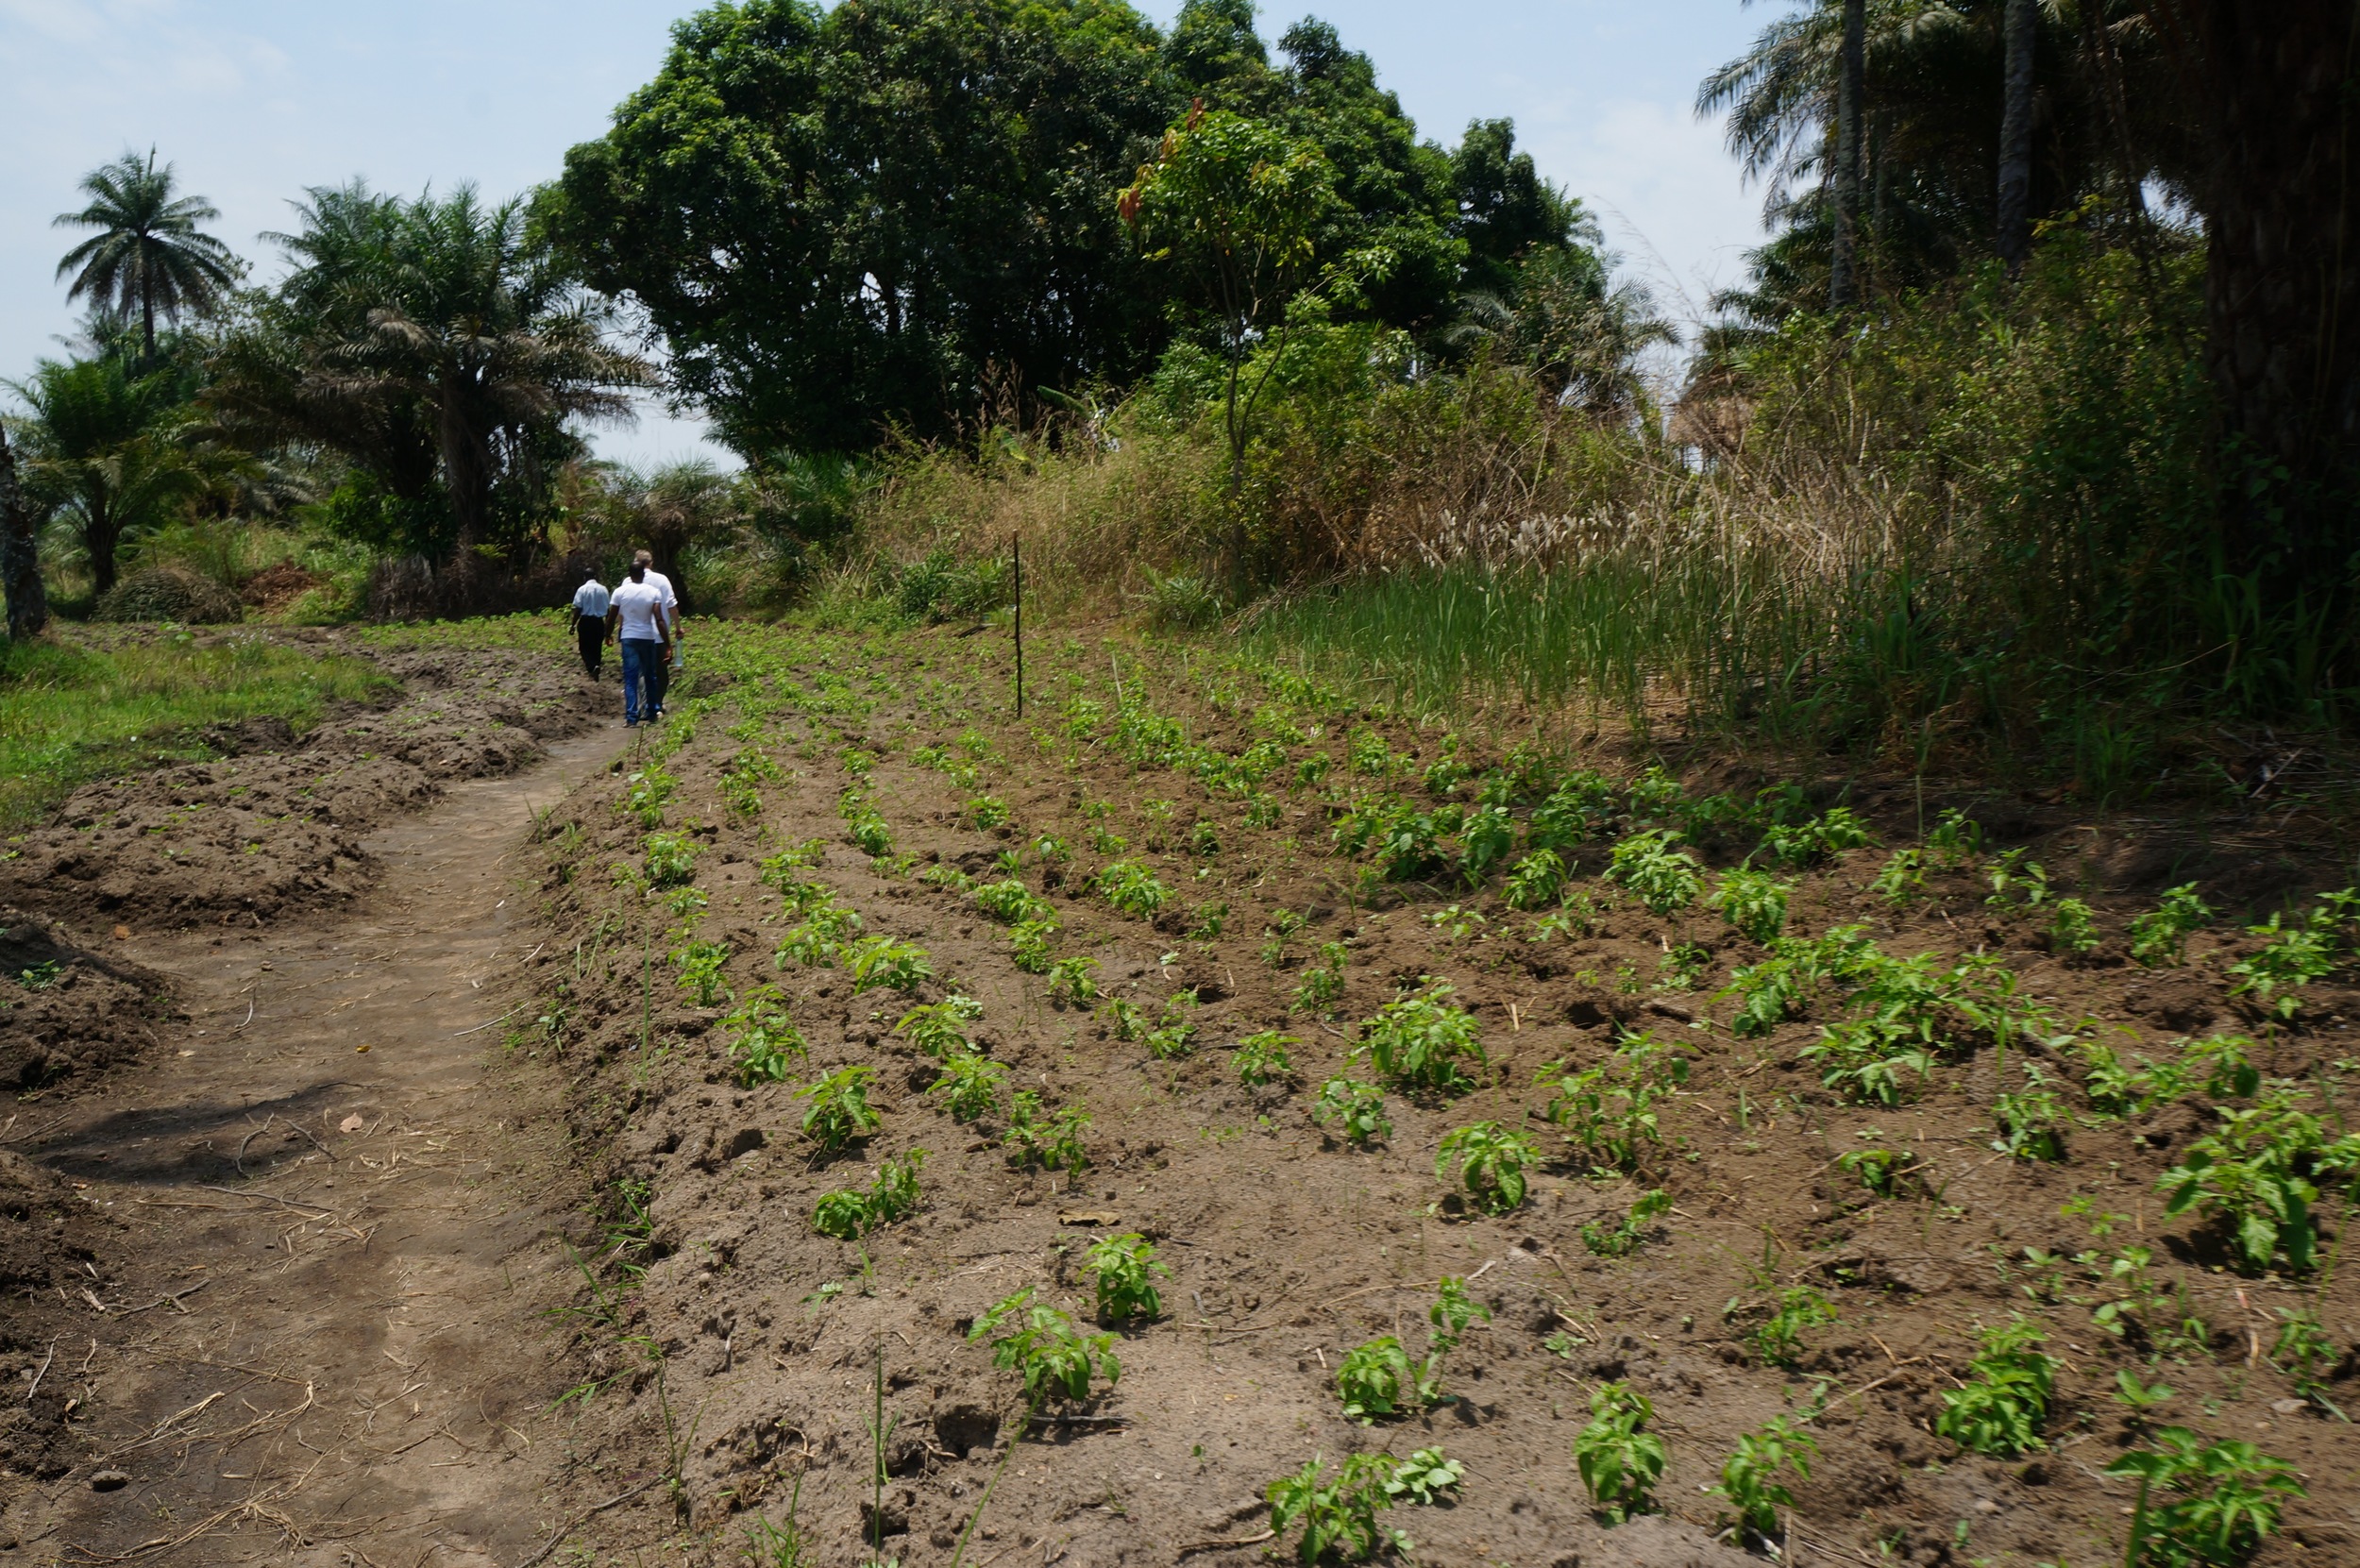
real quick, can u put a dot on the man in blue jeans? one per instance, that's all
(635, 614)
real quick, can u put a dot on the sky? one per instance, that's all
(255, 100)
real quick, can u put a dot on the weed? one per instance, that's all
(783, 1545)
(1628, 1235)
(2161, 935)
(1375, 1381)
(1619, 1460)
(2223, 1499)
(1419, 1041)
(839, 1110)
(1752, 901)
(939, 1028)
(1071, 980)
(1535, 882)
(1749, 1475)
(763, 1039)
(1659, 876)
(1339, 1516)
(2003, 1406)
(1044, 1349)
(881, 961)
(852, 1213)
(1354, 1110)
(1262, 1059)
(2255, 1172)
(969, 1084)
(701, 965)
(1123, 1271)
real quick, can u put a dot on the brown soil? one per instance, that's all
(1289, 1250)
(274, 588)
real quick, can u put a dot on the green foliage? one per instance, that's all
(2308, 1358)
(1659, 876)
(1782, 985)
(2071, 928)
(2258, 1172)
(969, 1084)
(2290, 959)
(1883, 1172)
(1354, 1110)
(1028, 945)
(1419, 1041)
(939, 1028)
(1453, 1313)
(2161, 935)
(1822, 837)
(1374, 1381)
(2005, 1403)
(1339, 1515)
(1057, 1143)
(1778, 1339)
(764, 1041)
(670, 858)
(1489, 1160)
(1619, 1460)
(1903, 879)
(1072, 979)
(1133, 889)
(1608, 1111)
(849, 1214)
(1323, 983)
(1011, 903)
(2199, 1503)
(820, 935)
(881, 961)
(644, 795)
(701, 966)
(1044, 1347)
(1123, 1271)
(1628, 1235)
(840, 1109)
(1749, 1474)
(1424, 1476)
(1535, 882)
(1262, 1059)
(986, 812)
(1752, 901)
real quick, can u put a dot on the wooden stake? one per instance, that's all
(1015, 553)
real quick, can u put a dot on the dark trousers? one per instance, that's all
(590, 636)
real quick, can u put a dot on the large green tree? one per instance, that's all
(102, 448)
(148, 255)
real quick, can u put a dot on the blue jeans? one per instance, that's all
(643, 664)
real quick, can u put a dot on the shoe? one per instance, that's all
(630, 724)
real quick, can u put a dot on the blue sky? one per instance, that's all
(255, 99)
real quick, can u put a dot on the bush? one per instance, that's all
(169, 594)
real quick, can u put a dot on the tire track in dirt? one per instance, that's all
(325, 1345)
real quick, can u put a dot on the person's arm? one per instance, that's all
(613, 619)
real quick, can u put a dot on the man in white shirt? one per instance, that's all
(589, 610)
(636, 614)
(671, 613)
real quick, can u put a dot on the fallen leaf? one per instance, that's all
(359, 1049)
(351, 1124)
(1089, 1217)
(123, 933)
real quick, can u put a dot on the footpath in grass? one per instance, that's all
(1214, 1114)
(92, 704)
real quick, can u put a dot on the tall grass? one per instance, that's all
(84, 708)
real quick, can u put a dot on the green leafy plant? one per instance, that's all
(1754, 903)
(1262, 1059)
(1072, 980)
(852, 1213)
(1133, 889)
(1778, 1339)
(840, 1109)
(1323, 983)
(2258, 1172)
(1627, 1235)
(2303, 1352)
(1011, 903)
(2072, 928)
(1658, 875)
(670, 859)
(1453, 1313)
(1282, 926)
(1353, 1110)
(1489, 1160)
(1901, 881)
(1041, 1345)
(2002, 1407)
(1421, 1040)
(1609, 1112)
(1821, 837)
(1749, 1476)
(969, 1084)
(764, 1041)
(2161, 935)
(2208, 1503)
(1424, 1476)
(1886, 1172)
(1057, 1143)
(1375, 1381)
(1536, 881)
(1338, 1514)
(1619, 1460)
(2292, 957)
(819, 939)
(986, 812)
(701, 967)
(1123, 1271)
(2031, 1121)
(881, 961)
(939, 1028)
(1028, 945)
(871, 833)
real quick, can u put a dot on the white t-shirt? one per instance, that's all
(590, 600)
(672, 599)
(640, 604)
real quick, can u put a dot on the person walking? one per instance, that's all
(635, 617)
(589, 608)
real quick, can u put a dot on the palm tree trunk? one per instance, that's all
(20, 555)
(102, 531)
(2022, 25)
(2282, 288)
(148, 322)
(1843, 258)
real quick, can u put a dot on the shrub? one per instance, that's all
(169, 594)
(1054, 1360)
(1489, 1161)
(839, 1110)
(1659, 876)
(2221, 1499)
(763, 1039)
(1123, 1269)
(1354, 1110)
(2003, 1406)
(1420, 1041)
(1619, 1460)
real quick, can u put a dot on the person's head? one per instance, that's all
(589, 574)
(639, 565)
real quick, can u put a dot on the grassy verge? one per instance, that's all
(73, 710)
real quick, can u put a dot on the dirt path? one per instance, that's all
(327, 1345)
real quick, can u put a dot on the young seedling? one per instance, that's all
(1124, 1270)
(1753, 902)
(1535, 882)
(1659, 876)
(2161, 935)
(1424, 1476)
(1626, 1238)
(2257, 1171)
(839, 1110)
(1619, 1460)
(1375, 1381)
(1262, 1059)
(1488, 1160)
(764, 1041)
(1056, 1145)
(881, 961)
(1071, 980)
(939, 1028)
(2202, 1503)
(1339, 1515)
(853, 1213)
(1453, 1312)
(1749, 1475)
(1778, 1339)
(701, 966)
(1419, 1041)
(1133, 889)
(1353, 1110)
(969, 1084)
(2002, 1408)
(1045, 1350)
(1323, 983)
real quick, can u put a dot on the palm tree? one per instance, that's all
(149, 251)
(102, 448)
(2015, 133)
(19, 552)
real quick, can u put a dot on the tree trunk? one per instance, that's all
(2283, 292)
(20, 555)
(101, 532)
(1843, 258)
(2016, 135)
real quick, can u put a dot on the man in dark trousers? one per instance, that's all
(590, 602)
